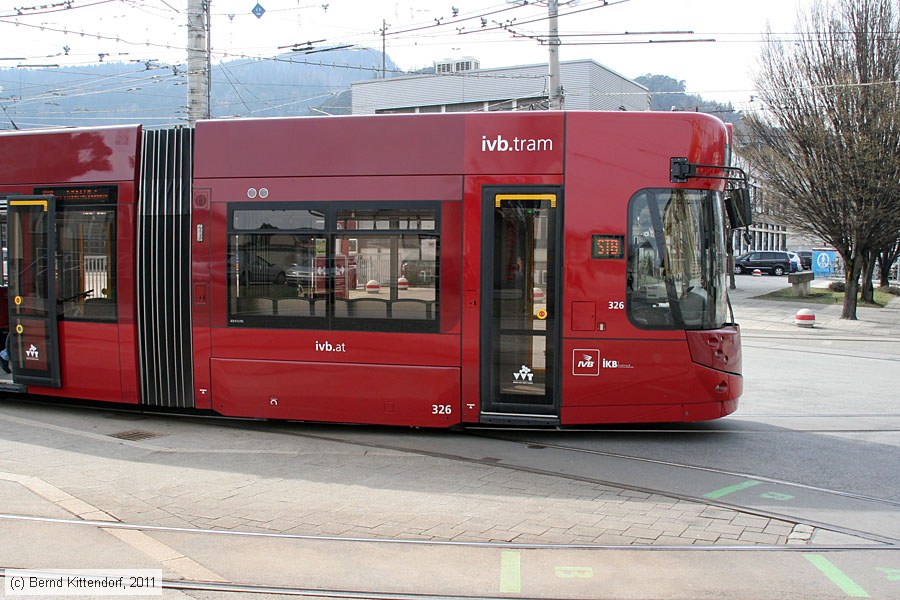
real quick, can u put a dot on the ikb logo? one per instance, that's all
(524, 375)
(32, 353)
(585, 361)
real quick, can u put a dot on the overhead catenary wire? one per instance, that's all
(44, 9)
(424, 32)
(226, 54)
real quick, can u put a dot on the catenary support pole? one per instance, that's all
(198, 60)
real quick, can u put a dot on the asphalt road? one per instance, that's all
(815, 441)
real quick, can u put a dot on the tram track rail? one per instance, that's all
(502, 436)
(238, 585)
(493, 462)
(247, 584)
(759, 335)
(740, 474)
(244, 589)
(150, 528)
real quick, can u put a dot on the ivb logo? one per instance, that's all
(329, 347)
(586, 361)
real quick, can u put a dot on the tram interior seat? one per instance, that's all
(364, 308)
(647, 309)
(99, 308)
(299, 307)
(256, 306)
(654, 312)
(693, 306)
(70, 308)
(412, 308)
(370, 308)
(342, 307)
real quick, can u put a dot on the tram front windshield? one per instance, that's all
(676, 260)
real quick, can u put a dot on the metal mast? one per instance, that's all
(198, 60)
(556, 91)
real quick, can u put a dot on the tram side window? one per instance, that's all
(86, 264)
(374, 267)
(396, 264)
(276, 266)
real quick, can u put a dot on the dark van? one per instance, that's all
(768, 261)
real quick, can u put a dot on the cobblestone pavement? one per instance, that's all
(213, 475)
(210, 476)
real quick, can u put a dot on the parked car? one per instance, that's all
(805, 259)
(796, 263)
(255, 270)
(769, 261)
(300, 273)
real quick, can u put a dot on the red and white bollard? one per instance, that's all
(372, 287)
(402, 283)
(805, 318)
(757, 273)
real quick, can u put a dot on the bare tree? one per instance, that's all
(829, 140)
(886, 258)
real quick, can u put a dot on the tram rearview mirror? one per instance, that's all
(737, 205)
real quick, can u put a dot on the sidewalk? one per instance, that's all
(759, 315)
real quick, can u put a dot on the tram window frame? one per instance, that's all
(256, 247)
(80, 302)
(395, 225)
(675, 279)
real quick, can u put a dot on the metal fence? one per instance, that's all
(96, 276)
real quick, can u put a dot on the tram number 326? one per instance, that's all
(441, 409)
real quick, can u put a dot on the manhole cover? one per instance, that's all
(135, 435)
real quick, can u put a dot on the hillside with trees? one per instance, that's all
(668, 93)
(289, 85)
(156, 95)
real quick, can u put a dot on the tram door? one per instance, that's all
(33, 344)
(519, 371)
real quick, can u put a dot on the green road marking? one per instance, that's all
(837, 577)
(890, 574)
(731, 489)
(776, 496)
(574, 572)
(510, 573)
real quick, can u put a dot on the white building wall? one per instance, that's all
(587, 84)
(610, 91)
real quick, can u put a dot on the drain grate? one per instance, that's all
(135, 435)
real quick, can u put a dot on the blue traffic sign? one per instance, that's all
(823, 262)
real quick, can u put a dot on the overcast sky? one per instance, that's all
(418, 33)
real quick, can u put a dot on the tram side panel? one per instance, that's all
(284, 343)
(335, 374)
(201, 299)
(92, 174)
(614, 371)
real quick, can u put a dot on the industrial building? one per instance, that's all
(461, 86)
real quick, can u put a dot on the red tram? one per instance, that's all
(539, 269)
